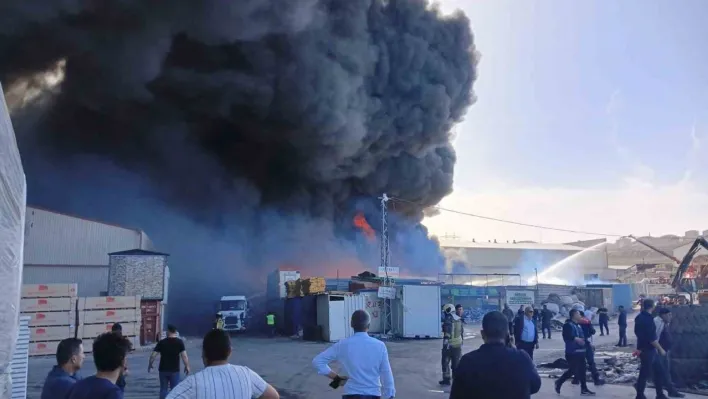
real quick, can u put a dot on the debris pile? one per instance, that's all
(614, 367)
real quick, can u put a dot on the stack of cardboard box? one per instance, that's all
(98, 314)
(51, 309)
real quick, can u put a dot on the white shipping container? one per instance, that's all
(417, 311)
(276, 283)
(374, 305)
(334, 313)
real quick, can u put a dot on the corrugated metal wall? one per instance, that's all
(57, 239)
(92, 280)
(20, 360)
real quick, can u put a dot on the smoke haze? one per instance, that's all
(241, 136)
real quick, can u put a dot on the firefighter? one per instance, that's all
(219, 322)
(270, 321)
(453, 333)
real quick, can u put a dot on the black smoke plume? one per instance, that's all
(268, 122)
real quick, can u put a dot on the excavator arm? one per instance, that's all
(679, 283)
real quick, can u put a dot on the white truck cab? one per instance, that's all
(234, 310)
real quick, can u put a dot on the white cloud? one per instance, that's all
(638, 207)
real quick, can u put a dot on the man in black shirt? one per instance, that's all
(648, 346)
(604, 320)
(170, 349)
(546, 317)
(622, 324)
(477, 375)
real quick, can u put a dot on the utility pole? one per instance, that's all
(385, 263)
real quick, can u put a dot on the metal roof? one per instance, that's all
(138, 251)
(517, 246)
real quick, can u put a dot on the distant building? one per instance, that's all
(60, 248)
(525, 258)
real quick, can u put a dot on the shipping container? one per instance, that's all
(301, 316)
(109, 316)
(150, 330)
(93, 280)
(52, 238)
(51, 318)
(150, 307)
(276, 282)
(277, 307)
(622, 296)
(109, 302)
(374, 306)
(94, 330)
(48, 290)
(416, 312)
(46, 304)
(54, 333)
(334, 313)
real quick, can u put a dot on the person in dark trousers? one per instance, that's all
(453, 336)
(622, 324)
(661, 365)
(118, 329)
(109, 355)
(603, 320)
(270, 321)
(526, 332)
(546, 317)
(478, 374)
(648, 346)
(509, 314)
(574, 353)
(63, 376)
(171, 350)
(588, 332)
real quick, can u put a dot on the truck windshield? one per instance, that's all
(233, 305)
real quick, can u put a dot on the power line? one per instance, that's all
(513, 222)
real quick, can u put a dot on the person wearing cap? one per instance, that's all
(525, 332)
(453, 335)
(661, 364)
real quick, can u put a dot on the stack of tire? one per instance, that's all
(689, 353)
(563, 304)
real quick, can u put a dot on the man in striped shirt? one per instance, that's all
(221, 380)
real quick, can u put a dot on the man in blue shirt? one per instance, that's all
(478, 374)
(525, 332)
(648, 346)
(70, 358)
(109, 355)
(364, 360)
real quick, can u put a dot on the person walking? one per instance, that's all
(364, 361)
(453, 337)
(117, 329)
(478, 374)
(63, 376)
(170, 349)
(110, 351)
(219, 379)
(588, 332)
(622, 325)
(648, 345)
(574, 354)
(603, 320)
(546, 317)
(270, 321)
(525, 332)
(662, 363)
(219, 322)
(509, 314)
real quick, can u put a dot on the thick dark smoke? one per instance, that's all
(274, 120)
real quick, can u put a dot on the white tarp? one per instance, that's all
(13, 196)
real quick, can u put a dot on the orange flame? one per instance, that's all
(363, 225)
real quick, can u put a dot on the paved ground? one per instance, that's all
(286, 364)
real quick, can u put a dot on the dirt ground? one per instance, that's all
(286, 364)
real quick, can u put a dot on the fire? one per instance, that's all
(363, 225)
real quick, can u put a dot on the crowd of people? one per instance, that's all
(366, 370)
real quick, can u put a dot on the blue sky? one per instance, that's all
(590, 115)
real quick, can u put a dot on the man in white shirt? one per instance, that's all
(364, 360)
(221, 380)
